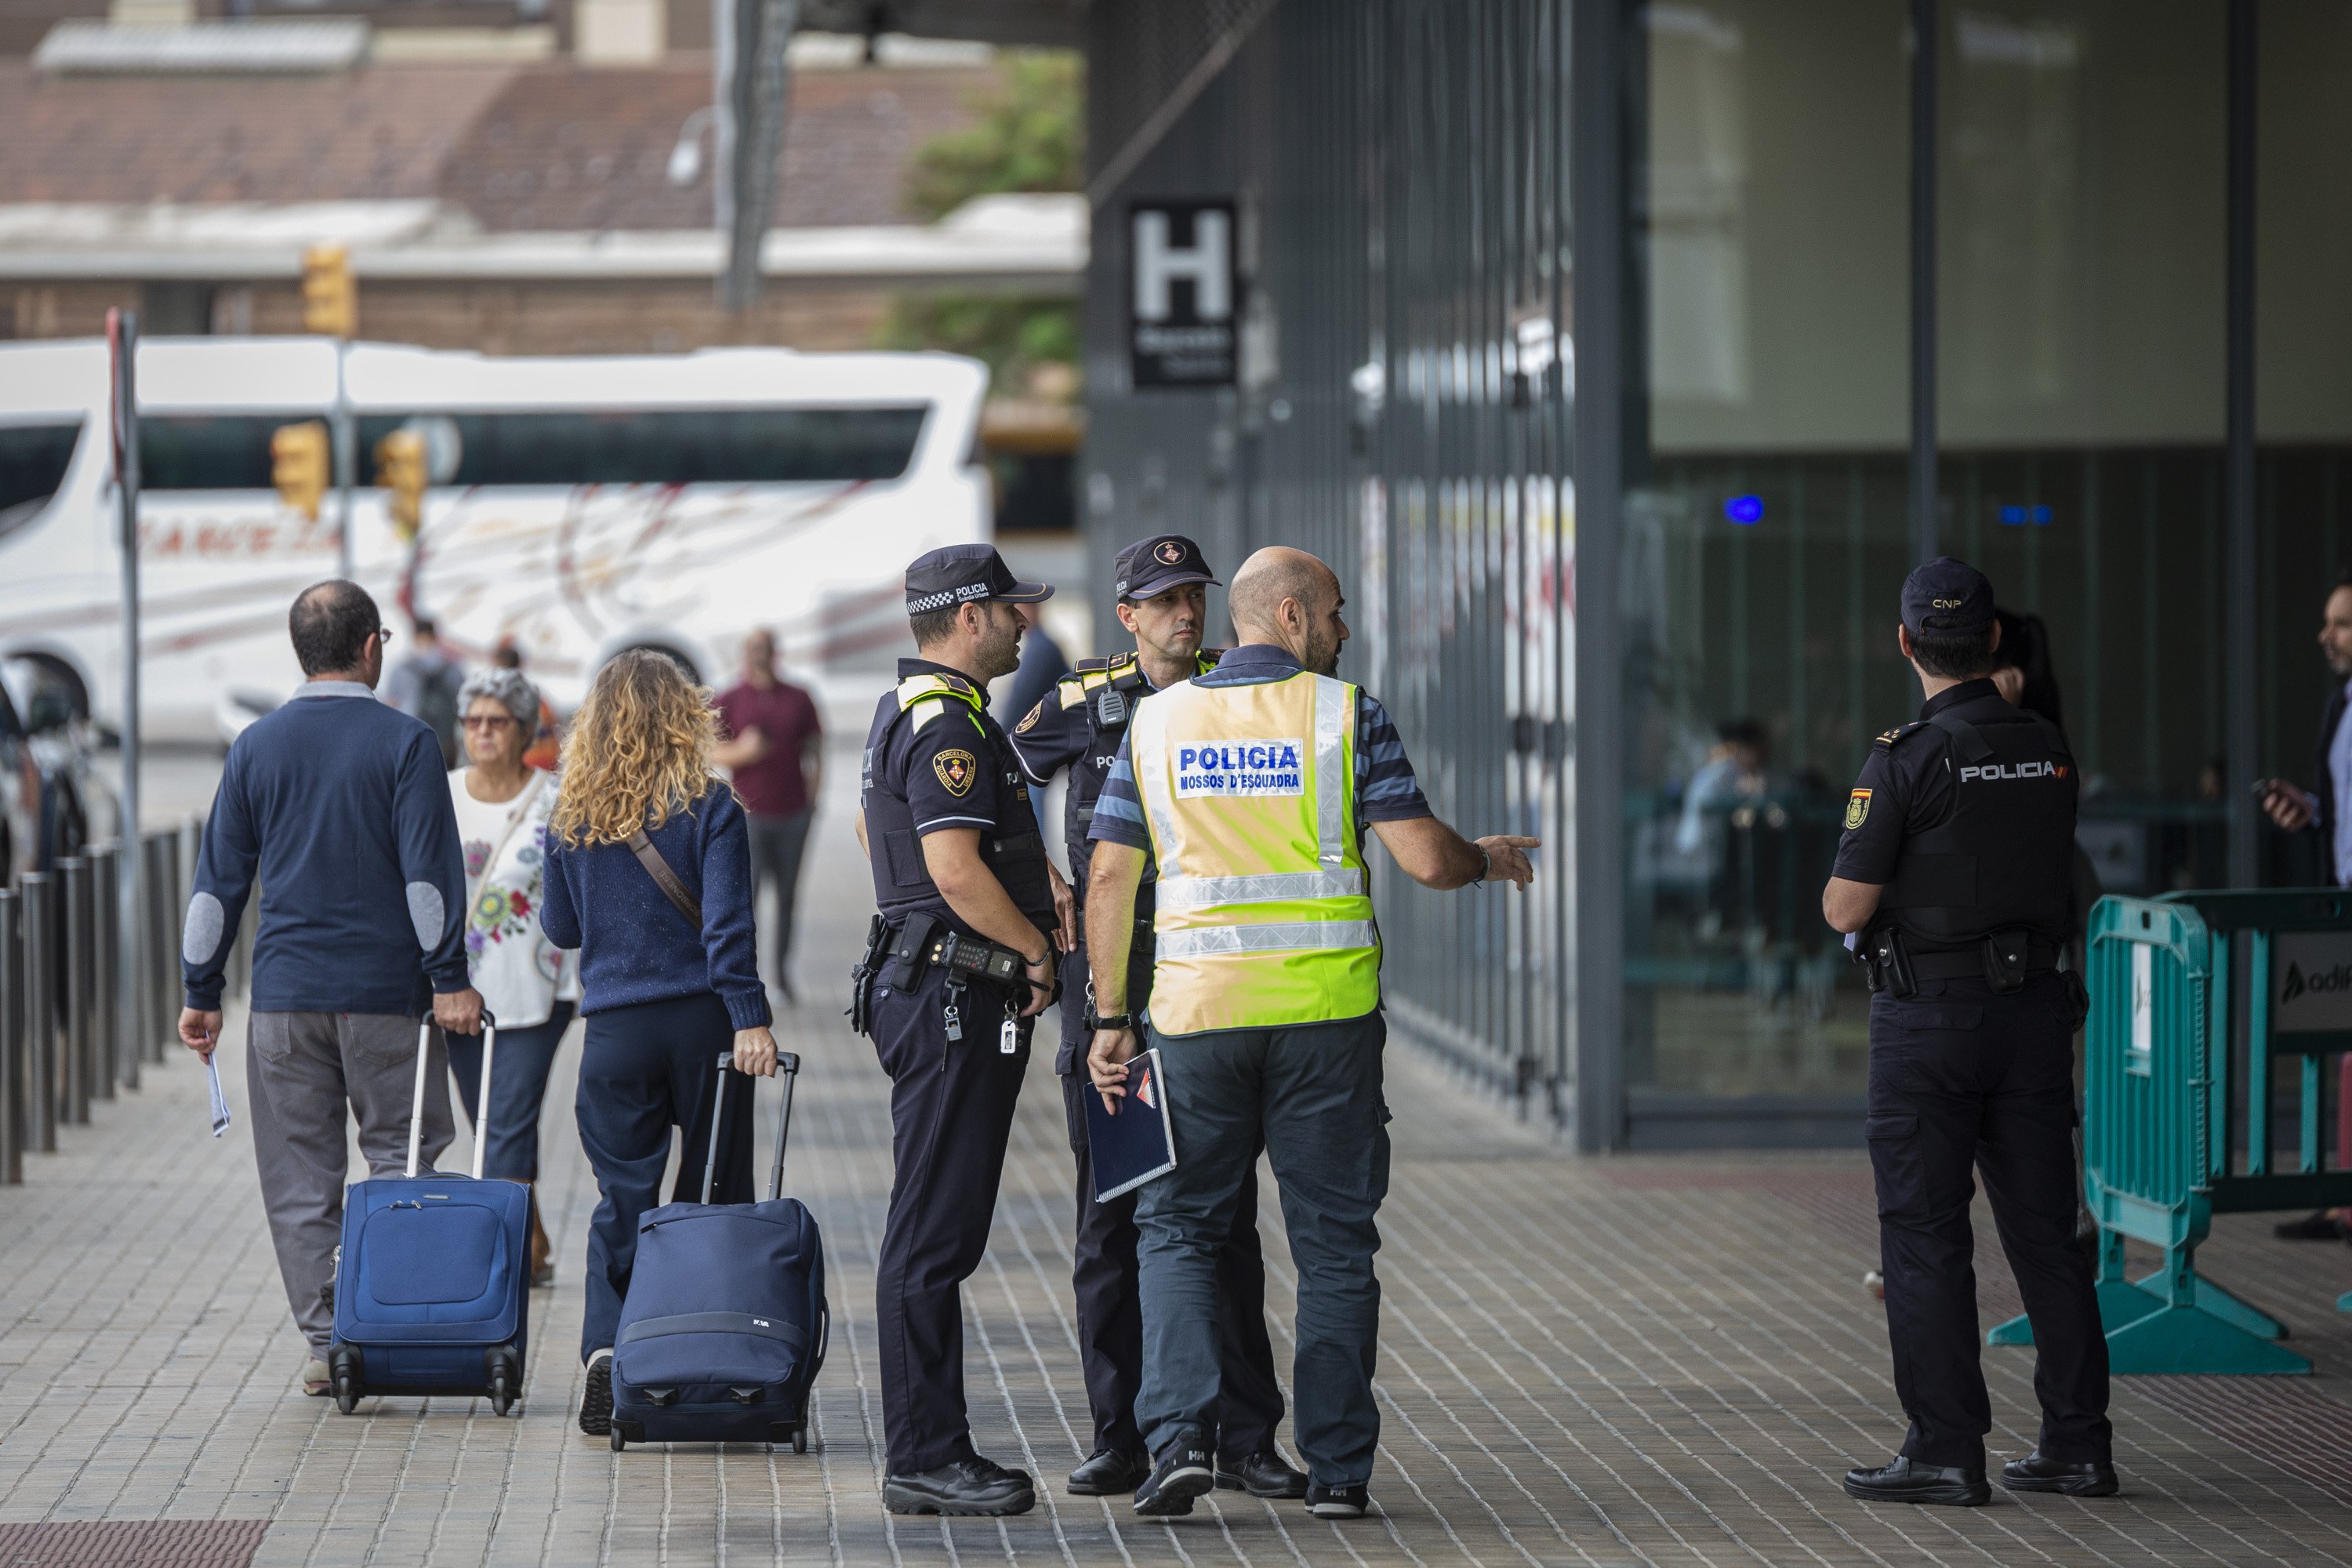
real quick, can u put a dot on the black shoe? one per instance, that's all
(597, 1403)
(1906, 1481)
(2320, 1226)
(1186, 1470)
(1337, 1502)
(1106, 1471)
(967, 1487)
(1265, 1474)
(2035, 1474)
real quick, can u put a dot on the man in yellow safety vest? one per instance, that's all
(1250, 788)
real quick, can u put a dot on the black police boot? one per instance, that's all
(2320, 1226)
(967, 1487)
(1107, 1471)
(2035, 1474)
(1905, 1481)
(1265, 1474)
(1187, 1469)
(1338, 1503)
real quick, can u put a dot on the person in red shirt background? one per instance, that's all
(772, 740)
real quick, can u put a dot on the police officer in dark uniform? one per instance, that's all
(1078, 725)
(1955, 871)
(957, 964)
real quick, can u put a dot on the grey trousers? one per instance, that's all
(300, 1070)
(777, 843)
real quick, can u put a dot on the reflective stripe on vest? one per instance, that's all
(1262, 916)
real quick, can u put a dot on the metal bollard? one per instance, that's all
(39, 946)
(12, 1040)
(105, 944)
(154, 945)
(73, 981)
(170, 911)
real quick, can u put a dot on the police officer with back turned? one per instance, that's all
(957, 964)
(1161, 586)
(1954, 871)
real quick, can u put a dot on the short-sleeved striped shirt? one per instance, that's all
(1386, 790)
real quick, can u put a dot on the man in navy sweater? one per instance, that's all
(340, 806)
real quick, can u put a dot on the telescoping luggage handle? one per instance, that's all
(789, 1065)
(482, 1099)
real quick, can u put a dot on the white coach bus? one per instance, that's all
(577, 507)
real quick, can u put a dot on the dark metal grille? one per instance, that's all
(1402, 411)
(132, 1543)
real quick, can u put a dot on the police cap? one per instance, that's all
(1156, 564)
(1951, 594)
(964, 574)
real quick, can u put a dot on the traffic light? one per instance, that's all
(298, 466)
(331, 299)
(399, 468)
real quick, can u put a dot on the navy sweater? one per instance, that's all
(341, 805)
(634, 944)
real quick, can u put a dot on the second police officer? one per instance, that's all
(957, 964)
(1161, 584)
(1955, 871)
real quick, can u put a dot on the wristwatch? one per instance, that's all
(1116, 1021)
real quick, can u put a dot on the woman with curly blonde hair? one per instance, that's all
(649, 876)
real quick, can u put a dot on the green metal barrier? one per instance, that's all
(2163, 1082)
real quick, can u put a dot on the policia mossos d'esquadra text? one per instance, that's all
(1956, 869)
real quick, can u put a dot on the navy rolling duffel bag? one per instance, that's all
(433, 1280)
(725, 1324)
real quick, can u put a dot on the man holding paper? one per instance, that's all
(1250, 788)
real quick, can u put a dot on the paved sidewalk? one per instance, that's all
(1661, 1361)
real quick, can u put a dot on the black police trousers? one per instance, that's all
(1963, 1076)
(950, 1113)
(1103, 1275)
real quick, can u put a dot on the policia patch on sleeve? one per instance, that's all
(1029, 720)
(957, 770)
(1857, 810)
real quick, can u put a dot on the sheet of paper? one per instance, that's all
(220, 1100)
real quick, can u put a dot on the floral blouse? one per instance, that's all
(520, 975)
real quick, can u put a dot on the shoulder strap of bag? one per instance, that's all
(521, 810)
(663, 877)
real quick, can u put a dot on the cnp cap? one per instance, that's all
(1156, 564)
(963, 575)
(1951, 594)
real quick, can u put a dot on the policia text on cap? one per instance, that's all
(1955, 871)
(1250, 786)
(957, 964)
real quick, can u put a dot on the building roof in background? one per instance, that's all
(516, 148)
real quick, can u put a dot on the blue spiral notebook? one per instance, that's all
(1131, 1145)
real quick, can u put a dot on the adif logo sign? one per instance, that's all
(2311, 983)
(1240, 768)
(2337, 977)
(2014, 770)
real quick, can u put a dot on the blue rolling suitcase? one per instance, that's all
(725, 1325)
(432, 1288)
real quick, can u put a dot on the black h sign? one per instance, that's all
(1182, 296)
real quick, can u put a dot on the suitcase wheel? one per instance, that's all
(502, 1396)
(800, 1439)
(344, 1370)
(346, 1394)
(619, 1442)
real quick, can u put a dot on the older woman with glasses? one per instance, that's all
(530, 986)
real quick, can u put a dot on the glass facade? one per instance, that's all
(1598, 346)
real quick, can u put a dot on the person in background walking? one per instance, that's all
(424, 686)
(649, 876)
(543, 748)
(338, 804)
(530, 985)
(774, 744)
(2329, 808)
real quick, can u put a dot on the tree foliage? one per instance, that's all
(1030, 136)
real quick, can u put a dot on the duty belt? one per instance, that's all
(1969, 964)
